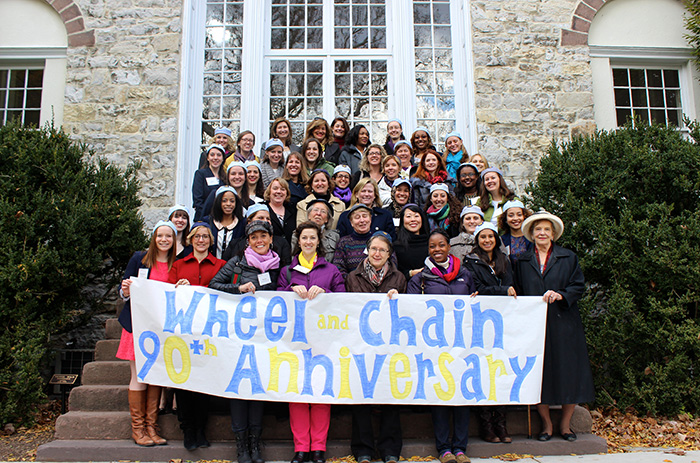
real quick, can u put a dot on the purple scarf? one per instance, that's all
(343, 194)
(262, 262)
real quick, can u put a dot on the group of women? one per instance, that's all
(415, 221)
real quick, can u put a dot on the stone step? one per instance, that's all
(113, 329)
(106, 373)
(106, 350)
(126, 450)
(95, 398)
(416, 422)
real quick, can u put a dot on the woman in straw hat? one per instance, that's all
(553, 272)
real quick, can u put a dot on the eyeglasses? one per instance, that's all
(379, 250)
(200, 237)
(319, 210)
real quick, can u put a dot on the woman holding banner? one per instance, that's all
(553, 272)
(308, 276)
(444, 274)
(376, 274)
(197, 269)
(492, 274)
(257, 268)
(154, 264)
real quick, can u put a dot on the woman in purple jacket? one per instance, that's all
(310, 275)
(444, 274)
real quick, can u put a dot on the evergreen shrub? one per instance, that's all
(629, 200)
(68, 219)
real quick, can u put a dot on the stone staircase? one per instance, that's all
(98, 426)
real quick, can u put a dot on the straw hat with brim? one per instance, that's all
(556, 222)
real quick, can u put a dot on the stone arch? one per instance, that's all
(72, 18)
(581, 23)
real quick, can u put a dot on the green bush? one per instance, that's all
(68, 220)
(630, 200)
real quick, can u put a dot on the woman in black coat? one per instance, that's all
(554, 273)
(492, 275)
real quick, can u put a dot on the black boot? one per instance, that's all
(242, 447)
(202, 439)
(255, 444)
(189, 438)
(486, 425)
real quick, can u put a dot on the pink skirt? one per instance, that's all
(126, 346)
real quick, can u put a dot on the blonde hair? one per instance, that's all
(360, 185)
(283, 183)
(194, 230)
(364, 163)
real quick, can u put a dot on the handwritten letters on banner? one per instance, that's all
(340, 348)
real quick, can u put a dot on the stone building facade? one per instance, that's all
(124, 76)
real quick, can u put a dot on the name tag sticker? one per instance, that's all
(301, 269)
(264, 279)
(212, 181)
(143, 273)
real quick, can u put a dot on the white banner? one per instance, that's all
(340, 348)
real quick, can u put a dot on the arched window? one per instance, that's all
(366, 60)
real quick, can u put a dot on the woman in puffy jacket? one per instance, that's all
(444, 274)
(256, 268)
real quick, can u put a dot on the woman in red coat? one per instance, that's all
(196, 269)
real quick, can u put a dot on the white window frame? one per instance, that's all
(605, 58)
(254, 98)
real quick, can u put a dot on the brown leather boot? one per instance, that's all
(486, 425)
(499, 424)
(152, 402)
(137, 408)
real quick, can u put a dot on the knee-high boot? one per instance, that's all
(152, 402)
(137, 408)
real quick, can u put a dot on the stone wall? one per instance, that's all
(529, 89)
(122, 93)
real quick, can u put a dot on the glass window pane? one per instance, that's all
(3, 78)
(33, 99)
(424, 59)
(441, 13)
(234, 13)
(421, 13)
(359, 37)
(637, 78)
(379, 85)
(314, 85)
(296, 66)
(622, 97)
(231, 108)
(671, 78)
(674, 118)
(342, 107)
(278, 85)
(443, 59)
(377, 15)
(424, 83)
(656, 98)
(14, 116)
(17, 78)
(297, 16)
(639, 98)
(443, 36)
(342, 37)
(673, 98)
(342, 65)
(620, 77)
(378, 37)
(360, 109)
(16, 99)
(378, 66)
(654, 78)
(342, 15)
(315, 16)
(278, 66)
(296, 108)
(279, 16)
(3, 96)
(315, 38)
(296, 38)
(422, 36)
(215, 14)
(445, 83)
(296, 84)
(314, 66)
(641, 114)
(623, 116)
(277, 108)
(342, 84)
(359, 15)
(360, 84)
(35, 79)
(658, 116)
(445, 110)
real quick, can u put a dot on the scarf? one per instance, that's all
(439, 177)
(327, 196)
(339, 141)
(262, 262)
(307, 263)
(448, 274)
(343, 194)
(440, 217)
(375, 276)
(389, 182)
(543, 267)
(453, 161)
(238, 156)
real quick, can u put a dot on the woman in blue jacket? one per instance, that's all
(207, 179)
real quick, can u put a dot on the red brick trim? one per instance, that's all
(581, 19)
(72, 17)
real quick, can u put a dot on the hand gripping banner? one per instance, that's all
(340, 348)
